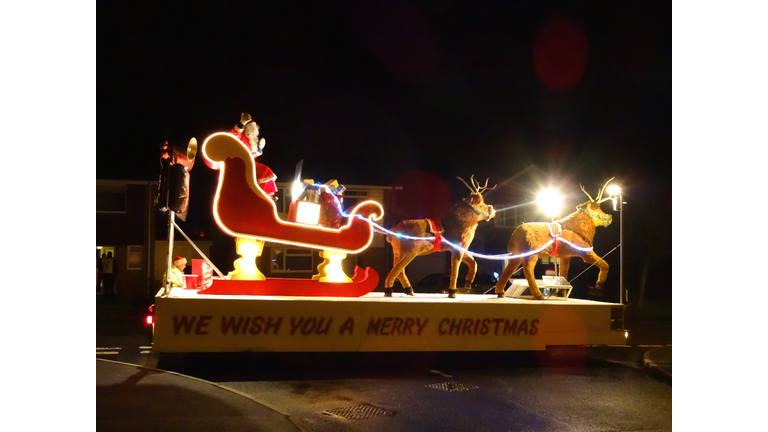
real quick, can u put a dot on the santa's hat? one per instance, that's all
(179, 261)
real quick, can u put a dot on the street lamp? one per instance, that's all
(550, 202)
(614, 192)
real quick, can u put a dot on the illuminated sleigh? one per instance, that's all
(244, 211)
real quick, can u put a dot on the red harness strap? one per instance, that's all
(435, 228)
(555, 231)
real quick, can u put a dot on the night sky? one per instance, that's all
(366, 91)
(399, 92)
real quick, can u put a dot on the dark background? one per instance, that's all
(396, 92)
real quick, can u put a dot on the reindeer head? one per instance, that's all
(475, 200)
(592, 207)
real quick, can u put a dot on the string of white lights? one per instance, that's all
(507, 256)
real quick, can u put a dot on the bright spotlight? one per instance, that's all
(550, 202)
(614, 190)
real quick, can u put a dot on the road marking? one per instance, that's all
(622, 346)
(441, 374)
(104, 349)
(145, 347)
(144, 352)
(650, 346)
(107, 352)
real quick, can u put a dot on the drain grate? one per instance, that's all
(452, 386)
(359, 412)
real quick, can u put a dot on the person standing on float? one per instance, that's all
(247, 131)
(177, 272)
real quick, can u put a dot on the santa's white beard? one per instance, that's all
(253, 136)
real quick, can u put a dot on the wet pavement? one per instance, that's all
(137, 398)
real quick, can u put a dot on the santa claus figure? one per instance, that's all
(247, 131)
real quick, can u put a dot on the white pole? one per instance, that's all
(621, 251)
(552, 219)
(167, 282)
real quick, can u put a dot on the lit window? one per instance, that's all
(134, 258)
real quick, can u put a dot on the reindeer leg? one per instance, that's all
(396, 272)
(456, 257)
(529, 263)
(504, 278)
(407, 288)
(593, 258)
(387, 282)
(472, 264)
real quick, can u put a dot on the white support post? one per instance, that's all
(167, 281)
(621, 250)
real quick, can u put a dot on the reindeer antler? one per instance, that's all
(465, 183)
(480, 190)
(476, 188)
(600, 194)
(585, 191)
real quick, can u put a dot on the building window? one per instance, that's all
(513, 217)
(351, 198)
(134, 258)
(291, 260)
(111, 199)
(507, 218)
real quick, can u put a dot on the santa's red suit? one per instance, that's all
(264, 176)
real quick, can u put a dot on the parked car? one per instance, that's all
(438, 283)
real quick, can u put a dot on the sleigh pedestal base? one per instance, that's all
(188, 321)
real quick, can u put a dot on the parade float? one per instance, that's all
(335, 312)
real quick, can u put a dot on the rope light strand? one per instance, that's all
(381, 229)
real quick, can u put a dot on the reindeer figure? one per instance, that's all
(458, 227)
(577, 228)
